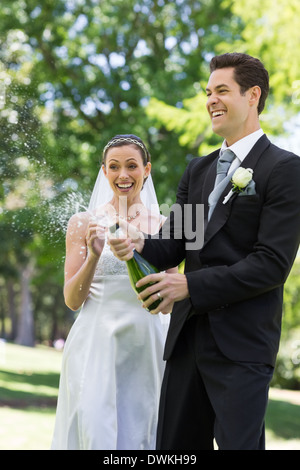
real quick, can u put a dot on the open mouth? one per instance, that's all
(216, 114)
(124, 186)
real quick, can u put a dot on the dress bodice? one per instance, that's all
(110, 265)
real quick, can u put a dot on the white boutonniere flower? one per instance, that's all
(240, 180)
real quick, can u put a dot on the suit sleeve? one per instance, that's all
(272, 256)
(167, 249)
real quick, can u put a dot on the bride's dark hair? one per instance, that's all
(127, 139)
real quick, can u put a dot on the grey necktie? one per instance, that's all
(224, 162)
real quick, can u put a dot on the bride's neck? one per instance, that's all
(123, 204)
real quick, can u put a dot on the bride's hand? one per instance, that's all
(95, 238)
(125, 241)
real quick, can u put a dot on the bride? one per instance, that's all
(112, 363)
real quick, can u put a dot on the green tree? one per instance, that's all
(287, 372)
(74, 74)
(265, 29)
(271, 32)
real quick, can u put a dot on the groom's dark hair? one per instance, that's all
(248, 72)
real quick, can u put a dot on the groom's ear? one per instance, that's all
(254, 95)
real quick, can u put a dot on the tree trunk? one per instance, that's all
(25, 334)
(2, 315)
(12, 307)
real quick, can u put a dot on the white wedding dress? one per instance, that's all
(112, 368)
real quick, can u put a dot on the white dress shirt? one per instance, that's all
(242, 147)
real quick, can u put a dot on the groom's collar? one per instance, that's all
(242, 147)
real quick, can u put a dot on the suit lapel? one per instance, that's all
(222, 211)
(209, 182)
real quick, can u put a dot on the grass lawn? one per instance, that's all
(29, 380)
(283, 420)
(28, 391)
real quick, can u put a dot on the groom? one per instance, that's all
(225, 324)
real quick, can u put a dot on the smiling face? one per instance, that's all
(126, 172)
(232, 114)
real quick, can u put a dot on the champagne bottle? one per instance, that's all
(138, 268)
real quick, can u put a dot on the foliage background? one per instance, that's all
(74, 73)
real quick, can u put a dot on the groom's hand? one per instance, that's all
(126, 240)
(168, 287)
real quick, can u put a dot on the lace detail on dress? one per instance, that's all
(109, 264)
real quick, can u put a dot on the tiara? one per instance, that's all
(124, 139)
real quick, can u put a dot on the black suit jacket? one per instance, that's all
(250, 244)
